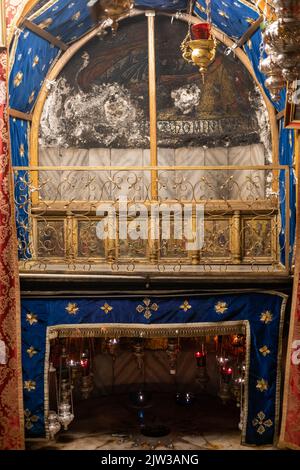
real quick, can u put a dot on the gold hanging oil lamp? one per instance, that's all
(110, 9)
(199, 46)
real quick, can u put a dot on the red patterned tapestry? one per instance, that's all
(290, 429)
(11, 403)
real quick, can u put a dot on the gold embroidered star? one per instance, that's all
(76, 16)
(223, 13)
(265, 351)
(31, 318)
(147, 308)
(29, 385)
(221, 307)
(185, 306)
(106, 308)
(31, 97)
(31, 351)
(29, 419)
(262, 385)
(72, 309)
(261, 423)
(266, 317)
(47, 22)
(35, 61)
(22, 150)
(18, 79)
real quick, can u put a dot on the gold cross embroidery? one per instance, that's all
(106, 308)
(261, 423)
(147, 308)
(29, 419)
(264, 351)
(185, 306)
(31, 351)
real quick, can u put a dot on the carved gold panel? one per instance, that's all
(50, 238)
(88, 244)
(216, 238)
(258, 237)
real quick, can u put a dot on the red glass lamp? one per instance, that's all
(226, 373)
(201, 31)
(200, 357)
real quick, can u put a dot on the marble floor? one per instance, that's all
(113, 423)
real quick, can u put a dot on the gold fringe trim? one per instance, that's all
(145, 331)
(279, 370)
(15, 267)
(246, 387)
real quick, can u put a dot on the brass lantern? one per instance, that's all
(273, 72)
(203, 53)
(110, 9)
(199, 46)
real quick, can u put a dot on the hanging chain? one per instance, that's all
(208, 11)
(186, 53)
(190, 12)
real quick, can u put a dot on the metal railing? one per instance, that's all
(57, 214)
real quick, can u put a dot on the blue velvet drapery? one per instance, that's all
(19, 131)
(264, 311)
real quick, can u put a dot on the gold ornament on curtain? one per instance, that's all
(199, 46)
(110, 9)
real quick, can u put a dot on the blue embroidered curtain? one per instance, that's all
(264, 311)
(19, 131)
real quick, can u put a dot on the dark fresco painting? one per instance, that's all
(101, 97)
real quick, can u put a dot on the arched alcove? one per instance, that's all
(210, 142)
